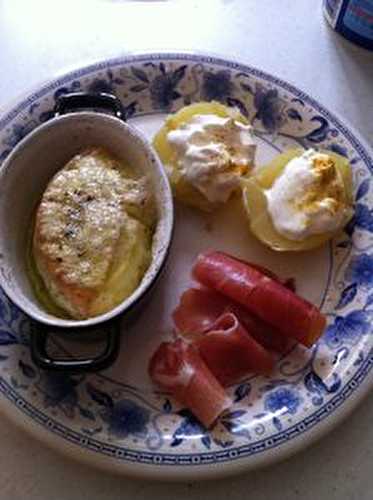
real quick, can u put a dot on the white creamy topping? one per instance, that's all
(212, 153)
(308, 197)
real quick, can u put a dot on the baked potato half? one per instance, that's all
(183, 190)
(255, 202)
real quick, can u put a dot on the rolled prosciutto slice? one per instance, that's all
(263, 296)
(177, 367)
(230, 352)
(199, 308)
(289, 283)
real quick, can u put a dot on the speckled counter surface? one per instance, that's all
(40, 39)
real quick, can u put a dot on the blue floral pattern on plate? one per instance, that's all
(131, 424)
(282, 400)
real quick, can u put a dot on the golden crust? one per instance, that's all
(77, 225)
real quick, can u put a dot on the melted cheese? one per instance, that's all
(87, 228)
(81, 216)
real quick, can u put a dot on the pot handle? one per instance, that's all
(74, 101)
(40, 356)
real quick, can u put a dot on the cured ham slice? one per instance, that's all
(230, 352)
(199, 308)
(177, 367)
(264, 333)
(289, 283)
(260, 294)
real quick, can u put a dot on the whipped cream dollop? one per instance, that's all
(212, 153)
(308, 198)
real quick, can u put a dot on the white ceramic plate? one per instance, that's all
(116, 419)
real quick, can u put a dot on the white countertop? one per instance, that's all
(40, 39)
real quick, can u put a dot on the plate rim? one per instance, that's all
(200, 471)
(176, 473)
